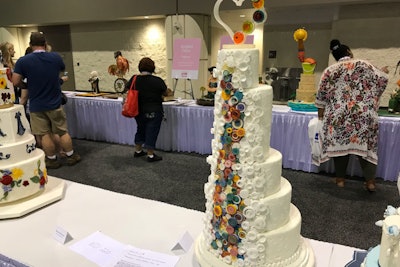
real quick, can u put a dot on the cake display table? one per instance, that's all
(139, 222)
(186, 128)
(53, 191)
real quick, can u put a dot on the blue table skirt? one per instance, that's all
(186, 128)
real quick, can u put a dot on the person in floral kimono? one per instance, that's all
(348, 101)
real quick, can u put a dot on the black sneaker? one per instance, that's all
(139, 154)
(52, 163)
(154, 158)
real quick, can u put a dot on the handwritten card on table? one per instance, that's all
(136, 257)
(98, 248)
(107, 252)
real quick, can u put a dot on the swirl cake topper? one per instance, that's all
(248, 26)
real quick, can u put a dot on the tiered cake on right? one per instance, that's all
(307, 89)
(305, 94)
(249, 219)
(387, 254)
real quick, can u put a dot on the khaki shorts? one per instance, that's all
(51, 121)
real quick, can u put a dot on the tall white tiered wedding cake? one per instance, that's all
(249, 219)
(22, 165)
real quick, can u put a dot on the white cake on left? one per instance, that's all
(22, 166)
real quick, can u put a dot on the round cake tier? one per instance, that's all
(23, 179)
(306, 95)
(242, 64)
(13, 152)
(307, 78)
(13, 125)
(283, 247)
(260, 180)
(255, 117)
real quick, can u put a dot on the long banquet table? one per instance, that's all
(186, 128)
(126, 219)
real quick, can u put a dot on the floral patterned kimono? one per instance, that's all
(349, 91)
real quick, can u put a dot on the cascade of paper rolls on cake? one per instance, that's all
(22, 165)
(249, 218)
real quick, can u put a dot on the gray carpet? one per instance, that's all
(338, 215)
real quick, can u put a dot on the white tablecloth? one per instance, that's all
(142, 223)
(187, 126)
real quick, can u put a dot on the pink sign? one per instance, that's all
(186, 59)
(227, 40)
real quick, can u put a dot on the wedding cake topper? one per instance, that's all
(248, 26)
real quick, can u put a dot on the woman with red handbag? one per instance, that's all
(151, 91)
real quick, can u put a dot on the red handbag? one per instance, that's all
(130, 108)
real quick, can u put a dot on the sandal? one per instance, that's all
(339, 182)
(370, 185)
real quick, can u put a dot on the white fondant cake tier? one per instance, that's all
(303, 257)
(272, 211)
(14, 125)
(6, 89)
(249, 218)
(23, 179)
(22, 166)
(242, 64)
(14, 152)
(262, 179)
(254, 116)
(278, 247)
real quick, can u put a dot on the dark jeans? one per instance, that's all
(368, 168)
(148, 127)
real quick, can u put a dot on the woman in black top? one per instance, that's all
(151, 91)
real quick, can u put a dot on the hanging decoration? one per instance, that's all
(248, 26)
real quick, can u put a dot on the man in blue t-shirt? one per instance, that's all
(42, 71)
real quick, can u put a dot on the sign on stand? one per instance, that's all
(186, 60)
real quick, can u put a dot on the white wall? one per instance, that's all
(94, 44)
